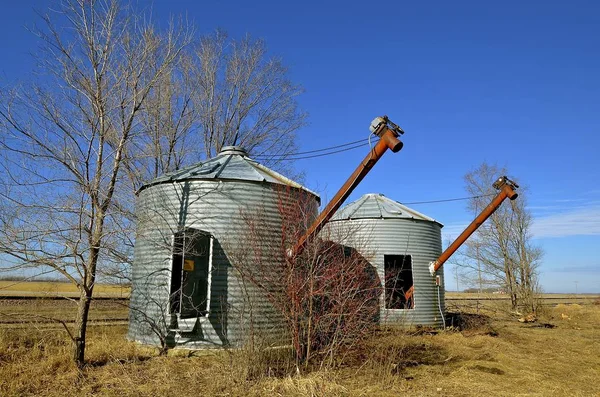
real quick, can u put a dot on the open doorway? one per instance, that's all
(398, 281)
(190, 274)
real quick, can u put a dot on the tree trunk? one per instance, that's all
(512, 290)
(85, 297)
(83, 309)
(514, 300)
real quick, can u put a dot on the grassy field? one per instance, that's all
(489, 353)
(474, 301)
(15, 312)
(52, 289)
(584, 298)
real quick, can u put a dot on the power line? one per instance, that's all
(330, 150)
(327, 148)
(447, 200)
(354, 145)
(350, 146)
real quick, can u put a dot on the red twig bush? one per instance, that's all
(328, 296)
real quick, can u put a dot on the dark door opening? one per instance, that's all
(398, 281)
(190, 275)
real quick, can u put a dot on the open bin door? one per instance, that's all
(190, 277)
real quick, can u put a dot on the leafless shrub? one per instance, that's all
(328, 295)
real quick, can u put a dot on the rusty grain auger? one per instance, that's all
(506, 190)
(388, 133)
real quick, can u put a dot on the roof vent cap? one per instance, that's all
(240, 151)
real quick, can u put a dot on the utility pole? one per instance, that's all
(576, 282)
(456, 275)
(477, 244)
(478, 274)
(479, 268)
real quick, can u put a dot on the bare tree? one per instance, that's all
(222, 92)
(242, 97)
(169, 120)
(501, 248)
(527, 255)
(66, 139)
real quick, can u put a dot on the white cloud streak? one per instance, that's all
(580, 221)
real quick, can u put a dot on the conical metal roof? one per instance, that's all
(231, 163)
(377, 206)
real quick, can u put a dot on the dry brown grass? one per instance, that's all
(489, 356)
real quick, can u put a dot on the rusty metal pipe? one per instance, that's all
(506, 191)
(388, 140)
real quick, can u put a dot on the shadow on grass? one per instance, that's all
(470, 324)
(489, 370)
(421, 354)
(393, 351)
(95, 363)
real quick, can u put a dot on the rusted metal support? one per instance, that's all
(388, 133)
(408, 295)
(506, 187)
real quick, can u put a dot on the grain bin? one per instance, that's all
(400, 243)
(192, 235)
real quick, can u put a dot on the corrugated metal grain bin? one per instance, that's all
(192, 236)
(400, 243)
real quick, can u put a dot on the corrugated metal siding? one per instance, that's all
(374, 238)
(221, 208)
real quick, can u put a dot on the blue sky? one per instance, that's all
(512, 83)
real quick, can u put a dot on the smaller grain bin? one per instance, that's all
(400, 243)
(202, 233)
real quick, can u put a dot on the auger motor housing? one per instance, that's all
(379, 124)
